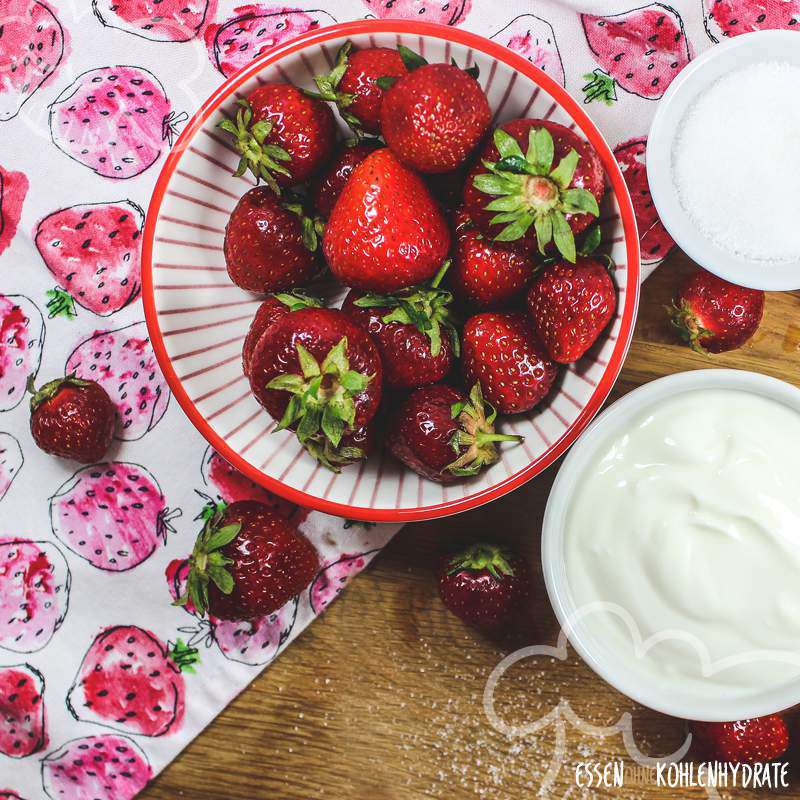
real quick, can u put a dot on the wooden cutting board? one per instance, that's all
(381, 698)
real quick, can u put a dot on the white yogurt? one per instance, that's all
(690, 523)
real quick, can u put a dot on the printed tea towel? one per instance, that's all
(97, 689)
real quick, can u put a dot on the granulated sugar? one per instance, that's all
(736, 162)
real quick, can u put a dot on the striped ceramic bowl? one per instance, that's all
(198, 318)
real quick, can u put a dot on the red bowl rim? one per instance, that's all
(588, 128)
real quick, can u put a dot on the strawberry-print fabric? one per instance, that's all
(102, 680)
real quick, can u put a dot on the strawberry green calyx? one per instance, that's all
(311, 228)
(414, 61)
(476, 433)
(184, 656)
(600, 86)
(530, 191)
(51, 388)
(333, 457)
(296, 299)
(328, 89)
(261, 158)
(480, 557)
(60, 304)
(687, 323)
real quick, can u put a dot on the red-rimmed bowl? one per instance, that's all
(198, 318)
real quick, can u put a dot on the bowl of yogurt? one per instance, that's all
(671, 545)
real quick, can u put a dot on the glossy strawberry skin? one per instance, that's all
(434, 117)
(329, 183)
(271, 310)
(271, 563)
(746, 741)
(264, 250)
(502, 352)
(570, 306)
(301, 125)
(385, 232)
(77, 422)
(405, 350)
(484, 273)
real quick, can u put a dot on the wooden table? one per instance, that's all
(381, 698)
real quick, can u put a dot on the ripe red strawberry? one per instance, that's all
(73, 418)
(746, 741)
(248, 562)
(353, 84)
(271, 310)
(486, 586)
(328, 185)
(269, 246)
(284, 137)
(413, 330)
(485, 273)
(22, 714)
(713, 316)
(444, 435)
(546, 182)
(501, 351)
(386, 232)
(434, 117)
(570, 305)
(320, 375)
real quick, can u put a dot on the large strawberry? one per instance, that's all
(114, 120)
(123, 363)
(328, 184)
(113, 515)
(21, 340)
(13, 189)
(641, 51)
(93, 252)
(386, 232)
(34, 593)
(443, 12)
(157, 20)
(22, 713)
(11, 461)
(28, 26)
(533, 38)
(744, 741)
(129, 680)
(733, 17)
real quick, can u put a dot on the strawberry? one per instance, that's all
(320, 375)
(268, 245)
(353, 84)
(570, 305)
(283, 136)
(385, 232)
(73, 418)
(444, 435)
(271, 310)
(713, 316)
(328, 184)
(546, 181)
(407, 328)
(22, 713)
(487, 274)
(502, 352)
(734, 17)
(434, 117)
(746, 741)
(486, 586)
(248, 562)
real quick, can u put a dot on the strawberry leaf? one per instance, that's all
(223, 536)
(411, 59)
(562, 236)
(564, 172)
(506, 144)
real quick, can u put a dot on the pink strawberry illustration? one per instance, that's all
(11, 461)
(445, 12)
(13, 188)
(655, 242)
(123, 363)
(641, 51)
(104, 767)
(157, 20)
(254, 29)
(113, 515)
(22, 715)
(333, 577)
(93, 251)
(21, 340)
(533, 38)
(28, 26)
(733, 17)
(7, 794)
(114, 120)
(34, 593)
(131, 681)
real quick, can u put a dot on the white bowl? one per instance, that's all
(610, 665)
(720, 60)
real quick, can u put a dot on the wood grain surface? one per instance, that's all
(381, 698)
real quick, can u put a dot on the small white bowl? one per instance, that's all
(611, 666)
(720, 60)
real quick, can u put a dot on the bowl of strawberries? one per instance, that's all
(391, 270)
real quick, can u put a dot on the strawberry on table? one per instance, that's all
(747, 741)
(712, 315)
(328, 184)
(444, 435)
(502, 352)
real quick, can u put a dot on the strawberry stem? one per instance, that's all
(688, 325)
(601, 86)
(60, 304)
(482, 556)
